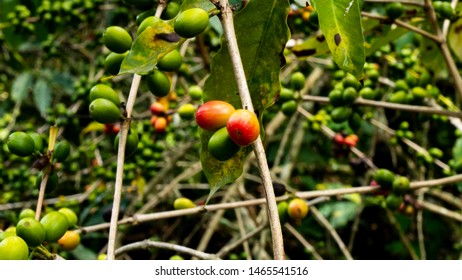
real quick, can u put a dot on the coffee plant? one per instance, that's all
(216, 129)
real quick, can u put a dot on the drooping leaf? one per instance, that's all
(156, 41)
(340, 22)
(262, 34)
(455, 38)
(42, 96)
(21, 86)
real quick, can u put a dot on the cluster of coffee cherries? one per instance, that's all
(232, 128)
(30, 236)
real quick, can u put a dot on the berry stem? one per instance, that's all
(226, 18)
(124, 128)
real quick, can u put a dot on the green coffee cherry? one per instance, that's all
(282, 211)
(142, 16)
(351, 81)
(170, 62)
(26, 213)
(172, 9)
(191, 22)
(186, 111)
(132, 143)
(340, 114)
(289, 107)
(14, 248)
(286, 94)
(297, 80)
(113, 61)
(20, 144)
(183, 203)
(31, 231)
(117, 39)
(400, 185)
(38, 141)
(195, 92)
(70, 215)
(394, 10)
(349, 96)
(336, 97)
(106, 92)
(158, 83)
(149, 21)
(104, 111)
(384, 178)
(55, 225)
(221, 146)
(393, 201)
(62, 151)
(368, 93)
(5, 234)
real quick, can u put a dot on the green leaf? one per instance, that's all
(21, 86)
(261, 33)
(339, 213)
(455, 38)
(156, 41)
(340, 22)
(152, 44)
(42, 96)
(383, 35)
(315, 45)
(83, 253)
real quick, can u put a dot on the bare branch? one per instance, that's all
(146, 244)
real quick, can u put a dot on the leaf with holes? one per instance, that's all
(261, 38)
(340, 22)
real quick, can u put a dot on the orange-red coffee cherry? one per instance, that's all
(297, 209)
(243, 127)
(214, 114)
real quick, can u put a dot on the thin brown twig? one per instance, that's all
(330, 133)
(444, 48)
(226, 18)
(310, 248)
(389, 105)
(446, 197)
(409, 143)
(242, 231)
(420, 229)
(229, 247)
(124, 129)
(253, 202)
(404, 2)
(325, 223)
(146, 244)
(402, 235)
(188, 173)
(80, 197)
(404, 25)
